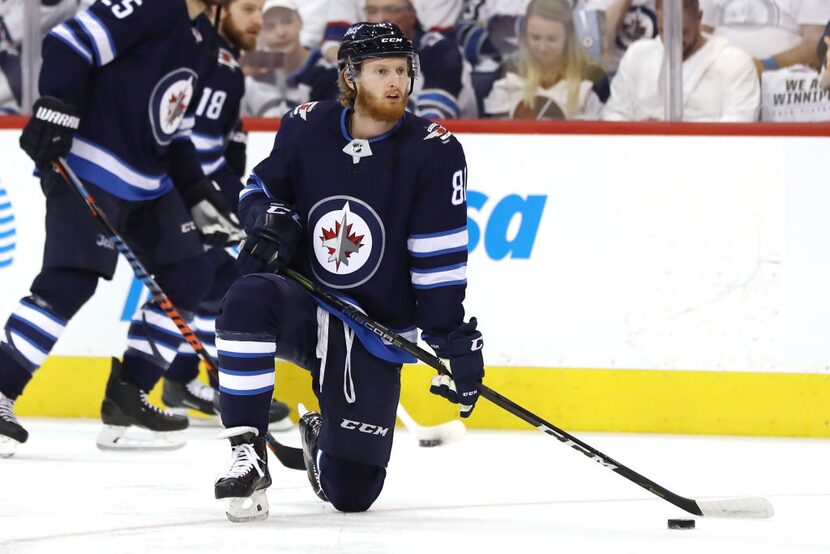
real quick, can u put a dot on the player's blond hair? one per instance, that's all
(576, 65)
(348, 95)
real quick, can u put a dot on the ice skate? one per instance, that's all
(11, 432)
(310, 423)
(195, 400)
(126, 406)
(247, 477)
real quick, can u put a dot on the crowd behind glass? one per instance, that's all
(742, 60)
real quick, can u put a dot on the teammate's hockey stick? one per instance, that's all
(750, 507)
(432, 435)
(288, 456)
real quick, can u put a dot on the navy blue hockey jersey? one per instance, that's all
(222, 85)
(385, 219)
(131, 68)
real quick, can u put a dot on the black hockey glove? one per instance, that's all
(235, 154)
(272, 242)
(48, 134)
(461, 352)
(216, 221)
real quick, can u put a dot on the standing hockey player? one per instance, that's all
(220, 148)
(116, 83)
(372, 202)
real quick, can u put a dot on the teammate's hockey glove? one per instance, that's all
(461, 352)
(213, 216)
(272, 242)
(235, 151)
(48, 134)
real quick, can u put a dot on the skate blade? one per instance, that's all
(8, 446)
(196, 418)
(114, 437)
(252, 508)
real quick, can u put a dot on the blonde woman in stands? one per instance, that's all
(551, 76)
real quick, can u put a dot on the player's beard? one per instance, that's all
(244, 40)
(377, 107)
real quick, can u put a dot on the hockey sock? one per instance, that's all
(350, 486)
(185, 367)
(246, 379)
(152, 343)
(29, 335)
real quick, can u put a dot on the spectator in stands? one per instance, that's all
(551, 76)
(719, 80)
(282, 73)
(776, 33)
(433, 15)
(12, 27)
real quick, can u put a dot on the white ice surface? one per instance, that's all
(506, 492)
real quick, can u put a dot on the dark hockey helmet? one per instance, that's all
(364, 41)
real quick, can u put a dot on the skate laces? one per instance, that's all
(244, 458)
(7, 409)
(147, 404)
(200, 390)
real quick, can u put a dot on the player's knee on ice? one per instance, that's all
(350, 486)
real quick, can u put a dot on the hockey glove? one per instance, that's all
(461, 352)
(272, 242)
(48, 134)
(216, 221)
(235, 154)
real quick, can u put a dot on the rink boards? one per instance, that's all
(627, 278)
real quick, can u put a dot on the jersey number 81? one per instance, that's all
(459, 187)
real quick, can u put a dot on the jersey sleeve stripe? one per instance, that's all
(208, 143)
(63, 33)
(442, 276)
(212, 167)
(439, 243)
(101, 39)
(441, 284)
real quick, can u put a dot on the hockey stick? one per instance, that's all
(432, 435)
(749, 507)
(288, 456)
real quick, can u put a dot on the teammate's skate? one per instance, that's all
(11, 432)
(247, 477)
(126, 405)
(310, 423)
(194, 395)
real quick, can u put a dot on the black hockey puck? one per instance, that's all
(681, 524)
(429, 442)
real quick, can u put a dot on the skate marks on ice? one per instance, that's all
(494, 491)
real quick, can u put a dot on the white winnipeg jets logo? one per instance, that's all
(342, 237)
(175, 101)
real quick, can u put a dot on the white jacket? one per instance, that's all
(719, 84)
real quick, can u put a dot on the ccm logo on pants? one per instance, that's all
(364, 427)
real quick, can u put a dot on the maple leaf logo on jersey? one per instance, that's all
(340, 241)
(176, 106)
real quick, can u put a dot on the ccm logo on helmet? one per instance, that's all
(364, 427)
(393, 39)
